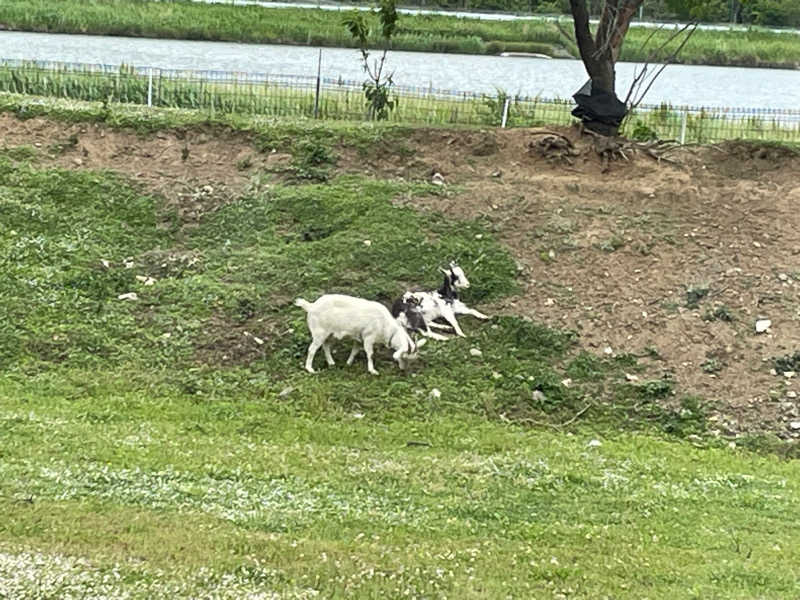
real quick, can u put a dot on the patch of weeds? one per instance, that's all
(312, 162)
(643, 133)
(712, 365)
(653, 353)
(789, 362)
(655, 389)
(244, 163)
(769, 444)
(695, 294)
(19, 153)
(690, 418)
(612, 244)
(720, 313)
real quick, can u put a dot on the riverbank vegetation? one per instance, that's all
(430, 33)
(160, 439)
(340, 101)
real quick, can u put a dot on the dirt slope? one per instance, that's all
(671, 262)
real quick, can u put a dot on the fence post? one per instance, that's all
(316, 94)
(683, 127)
(150, 86)
(505, 112)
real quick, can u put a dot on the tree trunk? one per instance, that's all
(599, 56)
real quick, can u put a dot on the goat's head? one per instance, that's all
(456, 276)
(410, 315)
(405, 349)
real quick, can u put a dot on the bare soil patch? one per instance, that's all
(671, 263)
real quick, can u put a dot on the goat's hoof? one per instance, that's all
(310, 370)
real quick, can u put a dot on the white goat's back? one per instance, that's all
(346, 316)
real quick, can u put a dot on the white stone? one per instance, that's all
(368, 243)
(763, 325)
(794, 425)
(475, 352)
(566, 382)
(145, 280)
(538, 396)
(594, 443)
(128, 296)
(789, 374)
(630, 377)
(791, 394)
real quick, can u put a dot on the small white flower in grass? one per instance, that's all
(145, 280)
(128, 296)
(368, 243)
(566, 382)
(435, 394)
(594, 443)
(105, 263)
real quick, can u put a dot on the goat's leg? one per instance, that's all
(312, 350)
(326, 347)
(449, 316)
(435, 336)
(460, 308)
(353, 352)
(435, 325)
(368, 346)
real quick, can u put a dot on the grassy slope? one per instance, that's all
(188, 20)
(149, 437)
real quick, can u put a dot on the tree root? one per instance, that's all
(553, 146)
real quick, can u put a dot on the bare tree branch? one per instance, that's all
(690, 28)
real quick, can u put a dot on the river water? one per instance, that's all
(547, 78)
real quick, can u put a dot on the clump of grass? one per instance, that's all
(695, 294)
(720, 313)
(789, 362)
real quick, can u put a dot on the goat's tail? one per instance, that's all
(304, 304)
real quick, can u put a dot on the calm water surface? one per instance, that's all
(679, 85)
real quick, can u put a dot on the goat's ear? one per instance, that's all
(445, 271)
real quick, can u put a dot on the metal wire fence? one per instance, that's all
(303, 96)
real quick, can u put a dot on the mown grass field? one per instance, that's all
(153, 448)
(429, 33)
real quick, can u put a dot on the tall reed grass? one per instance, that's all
(339, 100)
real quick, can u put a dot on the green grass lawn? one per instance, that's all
(152, 448)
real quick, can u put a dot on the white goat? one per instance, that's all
(442, 303)
(361, 320)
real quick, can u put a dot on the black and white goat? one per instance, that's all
(362, 321)
(442, 303)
